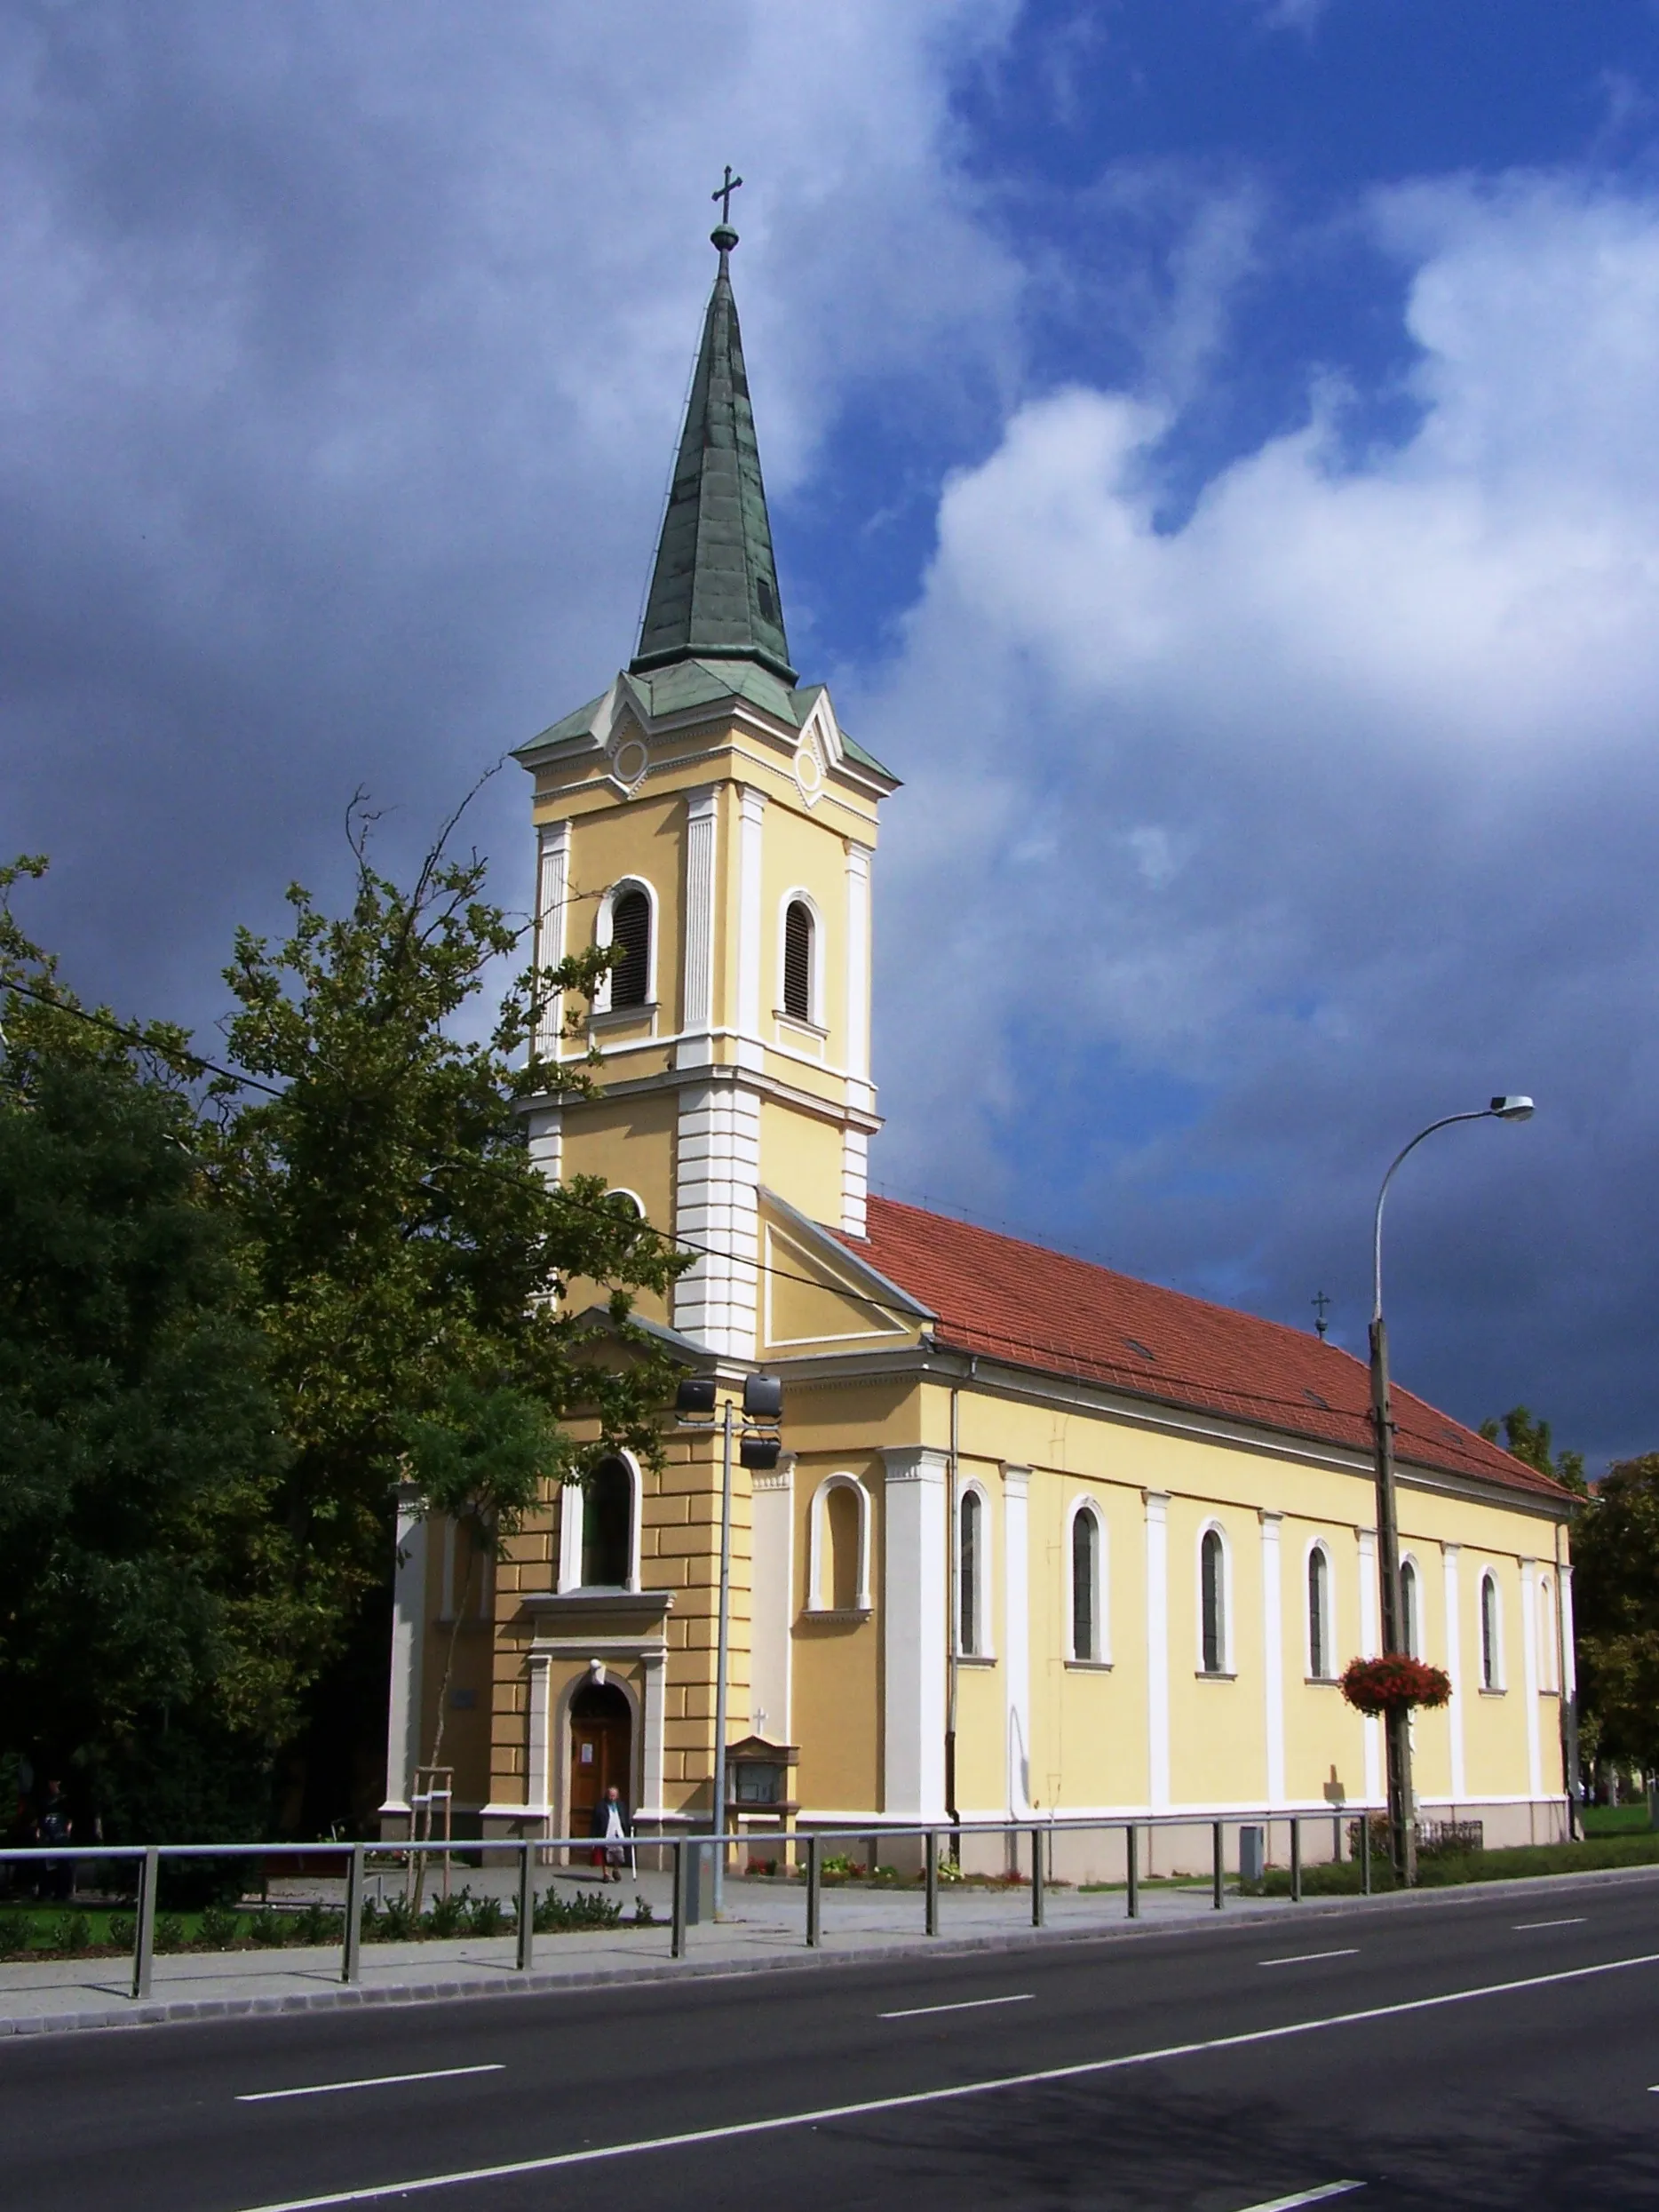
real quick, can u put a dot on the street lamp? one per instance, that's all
(698, 1404)
(1403, 1830)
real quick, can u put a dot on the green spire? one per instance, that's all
(714, 591)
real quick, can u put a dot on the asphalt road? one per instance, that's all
(1485, 2051)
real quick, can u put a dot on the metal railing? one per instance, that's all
(687, 1855)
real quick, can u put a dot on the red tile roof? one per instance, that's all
(1036, 1309)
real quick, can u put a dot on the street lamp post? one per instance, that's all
(758, 1446)
(1402, 1825)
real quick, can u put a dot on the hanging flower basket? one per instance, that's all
(1395, 1684)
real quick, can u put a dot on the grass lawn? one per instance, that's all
(1616, 1820)
(1436, 1873)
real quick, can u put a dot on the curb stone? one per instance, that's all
(162, 2012)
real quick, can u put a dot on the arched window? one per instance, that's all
(1410, 1610)
(1212, 1591)
(1491, 1652)
(1085, 1584)
(970, 1571)
(607, 1527)
(797, 960)
(838, 1550)
(631, 930)
(841, 1519)
(1549, 1670)
(1319, 1614)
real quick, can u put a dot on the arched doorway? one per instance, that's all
(601, 1752)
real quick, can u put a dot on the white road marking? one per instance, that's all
(379, 2192)
(1303, 1958)
(1577, 1921)
(375, 2081)
(1308, 2196)
(968, 2004)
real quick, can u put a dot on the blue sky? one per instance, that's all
(1213, 459)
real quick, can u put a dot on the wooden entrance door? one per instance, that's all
(601, 1753)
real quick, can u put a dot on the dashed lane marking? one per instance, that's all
(373, 2081)
(967, 2004)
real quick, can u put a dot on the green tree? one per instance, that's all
(147, 1634)
(1615, 1600)
(413, 1267)
(1530, 1440)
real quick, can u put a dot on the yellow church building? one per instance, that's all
(1044, 1540)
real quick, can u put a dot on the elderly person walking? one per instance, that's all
(612, 1826)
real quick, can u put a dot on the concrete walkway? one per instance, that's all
(765, 1926)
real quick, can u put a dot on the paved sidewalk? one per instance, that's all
(764, 1927)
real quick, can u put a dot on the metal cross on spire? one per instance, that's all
(723, 193)
(1320, 1304)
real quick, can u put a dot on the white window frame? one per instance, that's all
(602, 936)
(1101, 1656)
(1549, 1638)
(1319, 1548)
(1412, 1624)
(572, 1513)
(1492, 1678)
(818, 1546)
(814, 1015)
(978, 1647)
(1226, 1668)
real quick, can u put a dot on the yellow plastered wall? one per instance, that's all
(835, 1696)
(802, 853)
(644, 838)
(800, 1158)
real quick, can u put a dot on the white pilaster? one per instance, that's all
(654, 1762)
(409, 1624)
(751, 809)
(1372, 1730)
(1450, 1554)
(1016, 1634)
(552, 893)
(1530, 1674)
(1273, 1652)
(1157, 1649)
(696, 1047)
(772, 1602)
(570, 1504)
(718, 1167)
(854, 1182)
(538, 1794)
(855, 1057)
(545, 1136)
(913, 1633)
(1570, 1655)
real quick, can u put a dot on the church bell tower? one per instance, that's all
(708, 814)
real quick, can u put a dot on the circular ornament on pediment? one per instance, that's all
(631, 760)
(809, 771)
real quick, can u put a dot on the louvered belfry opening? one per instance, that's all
(630, 929)
(798, 961)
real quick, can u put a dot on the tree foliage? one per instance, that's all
(241, 1306)
(146, 1627)
(1615, 1600)
(1530, 1440)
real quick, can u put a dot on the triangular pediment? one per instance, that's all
(817, 1296)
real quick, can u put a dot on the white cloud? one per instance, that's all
(1392, 719)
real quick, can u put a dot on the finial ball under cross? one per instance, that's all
(723, 193)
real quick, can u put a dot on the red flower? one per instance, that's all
(1394, 1683)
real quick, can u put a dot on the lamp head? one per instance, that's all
(695, 1395)
(1512, 1109)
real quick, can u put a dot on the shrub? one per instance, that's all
(170, 1932)
(269, 1929)
(13, 1935)
(390, 1923)
(643, 1916)
(124, 1930)
(557, 1916)
(488, 1917)
(220, 1927)
(450, 1916)
(71, 1931)
(318, 1923)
